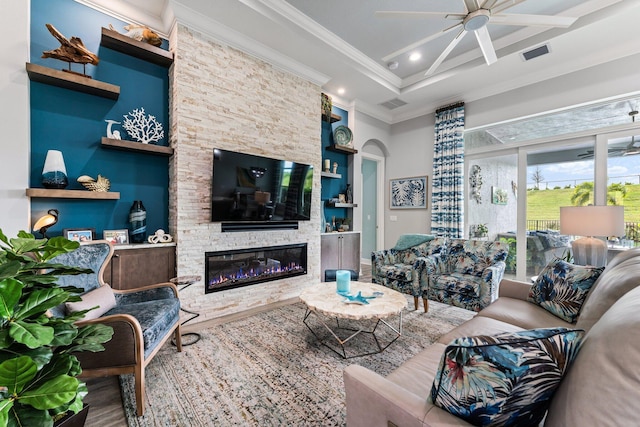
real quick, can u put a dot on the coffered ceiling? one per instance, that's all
(345, 44)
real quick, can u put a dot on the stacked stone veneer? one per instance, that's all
(221, 97)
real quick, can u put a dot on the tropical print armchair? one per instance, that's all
(467, 274)
(404, 268)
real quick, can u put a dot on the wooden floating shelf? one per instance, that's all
(49, 193)
(341, 205)
(334, 118)
(342, 149)
(120, 144)
(46, 75)
(330, 175)
(116, 41)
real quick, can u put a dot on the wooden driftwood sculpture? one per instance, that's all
(72, 50)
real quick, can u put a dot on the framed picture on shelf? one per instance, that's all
(79, 234)
(408, 193)
(117, 237)
(499, 196)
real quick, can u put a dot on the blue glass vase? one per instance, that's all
(138, 222)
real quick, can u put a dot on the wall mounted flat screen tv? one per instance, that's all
(250, 188)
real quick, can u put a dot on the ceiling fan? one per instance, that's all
(478, 14)
(629, 150)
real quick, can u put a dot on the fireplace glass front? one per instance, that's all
(243, 267)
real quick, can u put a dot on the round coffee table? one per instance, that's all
(325, 303)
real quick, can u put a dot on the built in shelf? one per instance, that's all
(341, 205)
(49, 76)
(334, 118)
(116, 41)
(48, 193)
(121, 144)
(342, 149)
(330, 175)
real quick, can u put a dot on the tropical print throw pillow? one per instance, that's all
(561, 288)
(506, 379)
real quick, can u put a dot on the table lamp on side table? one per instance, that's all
(591, 221)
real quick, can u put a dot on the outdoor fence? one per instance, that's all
(632, 229)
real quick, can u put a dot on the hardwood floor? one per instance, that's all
(104, 395)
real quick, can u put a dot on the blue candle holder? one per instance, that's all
(343, 281)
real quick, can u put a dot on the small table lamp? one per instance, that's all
(591, 221)
(46, 221)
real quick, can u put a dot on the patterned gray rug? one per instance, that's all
(269, 370)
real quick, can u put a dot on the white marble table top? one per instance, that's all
(324, 299)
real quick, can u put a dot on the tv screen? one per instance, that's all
(248, 187)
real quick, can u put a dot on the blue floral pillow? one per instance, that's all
(506, 379)
(561, 288)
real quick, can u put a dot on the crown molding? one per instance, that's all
(128, 13)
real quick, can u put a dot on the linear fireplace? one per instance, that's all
(243, 267)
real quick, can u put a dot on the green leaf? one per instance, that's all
(23, 416)
(40, 301)
(5, 406)
(32, 335)
(5, 339)
(61, 364)
(51, 394)
(58, 246)
(41, 355)
(3, 237)
(23, 245)
(17, 372)
(63, 333)
(9, 269)
(10, 293)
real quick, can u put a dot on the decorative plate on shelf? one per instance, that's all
(342, 136)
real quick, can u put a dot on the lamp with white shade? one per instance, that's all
(591, 221)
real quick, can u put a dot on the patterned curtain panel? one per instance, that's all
(448, 170)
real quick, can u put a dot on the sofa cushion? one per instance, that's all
(602, 387)
(479, 325)
(102, 297)
(612, 284)
(521, 313)
(506, 379)
(401, 272)
(406, 241)
(417, 373)
(457, 283)
(561, 288)
(155, 318)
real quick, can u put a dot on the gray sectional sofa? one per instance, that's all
(600, 388)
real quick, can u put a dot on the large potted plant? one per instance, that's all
(38, 369)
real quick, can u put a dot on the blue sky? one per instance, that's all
(621, 169)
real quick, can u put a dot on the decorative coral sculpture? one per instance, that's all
(102, 184)
(142, 128)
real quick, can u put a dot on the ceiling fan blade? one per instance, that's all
(419, 43)
(505, 5)
(482, 35)
(488, 4)
(446, 52)
(471, 5)
(409, 14)
(533, 20)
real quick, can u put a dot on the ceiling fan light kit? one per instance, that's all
(476, 19)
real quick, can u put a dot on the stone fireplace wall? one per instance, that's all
(221, 97)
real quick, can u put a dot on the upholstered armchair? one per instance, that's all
(142, 319)
(467, 274)
(403, 267)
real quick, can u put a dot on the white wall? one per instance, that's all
(14, 116)
(410, 143)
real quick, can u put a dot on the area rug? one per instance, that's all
(269, 370)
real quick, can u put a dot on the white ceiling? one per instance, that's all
(341, 43)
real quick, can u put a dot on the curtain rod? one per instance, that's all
(450, 107)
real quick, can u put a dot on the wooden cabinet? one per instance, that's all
(339, 251)
(134, 266)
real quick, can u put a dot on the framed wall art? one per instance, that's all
(408, 193)
(79, 234)
(117, 237)
(499, 196)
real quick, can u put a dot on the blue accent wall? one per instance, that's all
(74, 122)
(332, 187)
